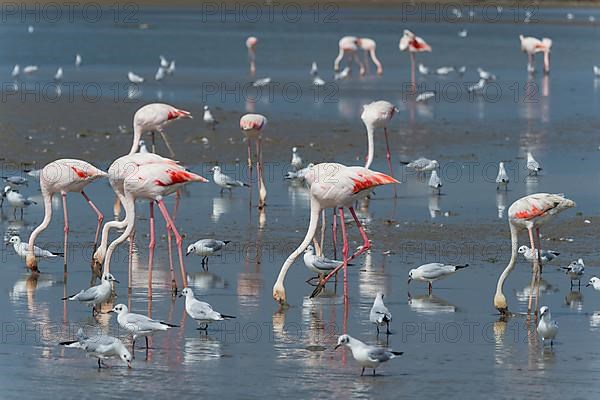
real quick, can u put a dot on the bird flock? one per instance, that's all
(142, 174)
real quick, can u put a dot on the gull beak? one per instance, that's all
(588, 284)
(409, 279)
(129, 365)
(188, 253)
(116, 281)
(336, 346)
(180, 295)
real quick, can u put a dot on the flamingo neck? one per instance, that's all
(371, 145)
(315, 210)
(129, 203)
(338, 59)
(514, 237)
(137, 136)
(46, 221)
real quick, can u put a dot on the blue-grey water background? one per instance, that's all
(454, 343)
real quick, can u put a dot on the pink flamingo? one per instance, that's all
(63, 176)
(413, 44)
(348, 47)
(532, 46)
(528, 213)
(251, 43)
(147, 118)
(152, 182)
(251, 126)
(378, 114)
(369, 45)
(333, 185)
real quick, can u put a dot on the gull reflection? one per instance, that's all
(298, 195)
(221, 205)
(501, 197)
(205, 280)
(575, 301)
(201, 348)
(595, 321)
(434, 206)
(545, 288)
(430, 304)
(371, 280)
(531, 184)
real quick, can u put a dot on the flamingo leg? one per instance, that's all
(389, 158)
(539, 274)
(413, 81)
(164, 136)
(151, 246)
(98, 214)
(130, 263)
(262, 191)
(536, 267)
(366, 246)
(322, 231)
(66, 229)
(250, 167)
(178, 240)
(344, 252)
(334, 229)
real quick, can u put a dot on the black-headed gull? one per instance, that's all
(209, 119)
(380, 315)
(59, 74)
(432, 272)
(200, 311)
(17, 200)
(15, 71)
(96, 295)
(206, 248)
(318, 264)
(532, 165)
(435, 182)
(138, 325)
(100, 346)
(78, 60)
(502, 178)
(422, 164)
(314, 71)
(23, 248)
(547, 328)
(367, 356)
(296, 162)
(134, 78)
(575, 271)
(225, 181)
(547, 255)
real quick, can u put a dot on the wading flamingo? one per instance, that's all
(333, 185)
(348, 47)
(528, 212)
(369, 45)
(152, 182)
(251, 43)
(145, 119)
(532, 46)
(413, 44)
(63, 176)
(251, 126)
(377, 115)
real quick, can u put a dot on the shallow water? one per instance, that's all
(453, 341)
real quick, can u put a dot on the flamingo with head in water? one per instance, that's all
(532, 46)
(413, 44)
(529, 212)
(64, 176)
(333, 185)
(348, 47)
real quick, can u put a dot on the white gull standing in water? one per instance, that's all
(367, 356)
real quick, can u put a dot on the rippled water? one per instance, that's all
(453, 341)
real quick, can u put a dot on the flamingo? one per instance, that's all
(251, 126)
(251, 43)
(63, 176)
(152, 182)
(369, 45)
(149, 117)
(377, 115)
(333, 185)
(528, 212)
(532, 46)
(348, 47)
(413, 44)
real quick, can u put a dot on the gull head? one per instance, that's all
(309, 249)
(119, 309)
(7, 189)
(14, 240)
(190, 249)
(379, 296)
(594, 281)
(294, 149)
(187, 292)
(523, 249)
(544, 310)
(125, 355)
(342, 340)
(410, 274)
(435, 164)
(216, 168)
(109, 278)
(205, 108)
